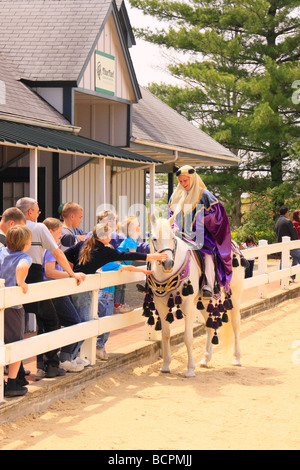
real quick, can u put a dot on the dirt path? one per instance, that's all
(252, 407)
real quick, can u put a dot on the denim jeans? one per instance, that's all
(119, 296)
(105, 309)
(83, 304)
(68, 316)
(295, 254)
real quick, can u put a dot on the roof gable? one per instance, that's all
(54, 37)
(20, 102)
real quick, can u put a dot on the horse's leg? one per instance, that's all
(166, 348)
(237, 290)
(208, 349)
(189, 310)
(235, 323)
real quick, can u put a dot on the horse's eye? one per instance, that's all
(154, 239)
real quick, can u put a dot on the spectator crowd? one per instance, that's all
(31, 252)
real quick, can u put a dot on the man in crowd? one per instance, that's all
(284, 227)
(47, 317)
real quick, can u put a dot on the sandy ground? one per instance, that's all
(255, 406)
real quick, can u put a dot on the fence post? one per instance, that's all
(2, 346)
(88, 348)
(262, 269)
(285, 262)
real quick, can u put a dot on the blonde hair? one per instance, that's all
(52, 223)
(126, 225)
(69, 208)
(17, 237)
(183, 200)
(107, 214)
(101, 230)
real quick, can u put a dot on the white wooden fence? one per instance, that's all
(89, 331)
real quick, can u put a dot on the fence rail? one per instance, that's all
(88, 331)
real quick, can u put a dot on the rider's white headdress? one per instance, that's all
(183, 200)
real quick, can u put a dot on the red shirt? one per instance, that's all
(297, 225)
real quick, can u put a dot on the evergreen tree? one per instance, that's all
(242, 78)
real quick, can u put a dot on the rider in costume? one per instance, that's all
(202, 220)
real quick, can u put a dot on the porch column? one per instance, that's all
(33, 174)
(152, 188)
(102, 189)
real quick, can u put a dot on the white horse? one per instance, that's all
(168, 285)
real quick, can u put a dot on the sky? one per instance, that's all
(148, 59)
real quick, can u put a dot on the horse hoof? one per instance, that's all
(237, 363)
(190, 373)
(203, 364)
(165, 371)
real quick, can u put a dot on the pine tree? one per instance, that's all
(241, 80)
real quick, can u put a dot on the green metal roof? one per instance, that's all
(24, 135)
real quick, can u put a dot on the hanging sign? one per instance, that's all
(105, 73)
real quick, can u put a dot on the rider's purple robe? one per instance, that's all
(207, 227)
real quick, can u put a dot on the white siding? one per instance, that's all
(83, 187)
(110, 44)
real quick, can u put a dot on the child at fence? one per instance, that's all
(67, 314)
(131, 230)
(106, 299)
(93, 254)
(14, 267)
(71, 215)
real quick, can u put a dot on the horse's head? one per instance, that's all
(163, 239)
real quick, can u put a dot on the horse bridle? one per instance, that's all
(173, 251)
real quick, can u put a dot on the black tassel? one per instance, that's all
(215, 339)
(190, 288)
(148, 297)
(235, 262)
(210, 307)
(216, 312)
(152, 305)
(170, 317)
(158, 325)
(178, 299)
(179, 314)
(219, 321)
(147, 312)
(244, 262)
(151, 320)
(185, 290)
(209, 322)
(226, 304)
(225, 318)
(171, 302)
(221, 307)
(200, 305)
